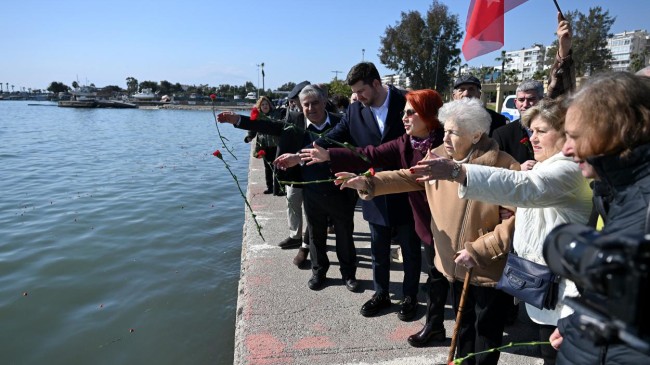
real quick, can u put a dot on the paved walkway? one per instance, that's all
(280, 321)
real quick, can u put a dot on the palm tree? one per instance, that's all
(503, 59)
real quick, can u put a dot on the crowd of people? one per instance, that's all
(468, 187)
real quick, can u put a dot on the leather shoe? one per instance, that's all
(316, 282)
(301, 257)
(426, 335)
(407, 309)
(375, 304)
(351, 283)
(268, 191)
(289, 243)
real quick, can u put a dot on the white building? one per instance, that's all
(624, 45)
(400, 81)
(526, 61)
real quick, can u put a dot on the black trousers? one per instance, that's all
(549, 354)
(438, 289)
(482, 322)
(339, 206)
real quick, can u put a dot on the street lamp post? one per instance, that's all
(258, 79)
(363, 53)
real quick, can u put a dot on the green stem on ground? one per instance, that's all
(511, 344)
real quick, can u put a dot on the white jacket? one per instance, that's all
(553, 192)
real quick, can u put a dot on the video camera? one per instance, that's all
(612, 271)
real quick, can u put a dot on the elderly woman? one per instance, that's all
(552, 193)
(466, 234)
(267, 143)
(608, 128)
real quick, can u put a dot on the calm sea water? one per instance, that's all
(120, 236)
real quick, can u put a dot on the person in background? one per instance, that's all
(372, 120)
(468, 86)
(466, 234)
(268, 144)
(551, 193)
(321, 200)
(514, 138)
(341, 102)
(608, 129)
(353, 98)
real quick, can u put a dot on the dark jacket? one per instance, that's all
(629, 194)
(513, 140)
(498, 120)
(293, 140)
(359, 128)
(396, 151)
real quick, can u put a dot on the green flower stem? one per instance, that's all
(241, 192)
(307, 182)
(511, 344)
(222, 138)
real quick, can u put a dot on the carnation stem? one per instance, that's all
(222, 138)
(511, 344)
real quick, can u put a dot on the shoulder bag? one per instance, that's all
(529, 282)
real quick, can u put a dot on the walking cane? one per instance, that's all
(459, 316)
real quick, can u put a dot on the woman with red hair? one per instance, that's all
(423, 133)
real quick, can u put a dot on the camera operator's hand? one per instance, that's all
(556, 339)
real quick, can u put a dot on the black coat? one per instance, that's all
(359, 128)
(628, 180)
(509, 138)
(292, 140)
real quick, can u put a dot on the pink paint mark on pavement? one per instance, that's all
(401, 333)
(266, 349)
(314, 342)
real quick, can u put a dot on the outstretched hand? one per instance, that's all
(436, 168)
(349, 180)
(314, 155)
(227, 117)
(286, 161)
(563, 35)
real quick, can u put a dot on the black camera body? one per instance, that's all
(612, 272)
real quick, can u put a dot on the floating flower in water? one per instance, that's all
(217, 154)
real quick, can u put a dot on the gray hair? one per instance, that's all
(468, 113)
(313, 90)
(532, 85)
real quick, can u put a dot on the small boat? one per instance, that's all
(144, 94)
(83, 93)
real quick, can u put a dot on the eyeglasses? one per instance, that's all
(531, 99)
(409, 113)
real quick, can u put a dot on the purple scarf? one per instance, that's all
(423, 144)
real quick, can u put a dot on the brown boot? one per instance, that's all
(301, 257)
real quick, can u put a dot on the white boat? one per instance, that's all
(144, 94)
(251, 96)
(83, 93)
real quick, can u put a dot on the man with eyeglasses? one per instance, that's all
(468, 86)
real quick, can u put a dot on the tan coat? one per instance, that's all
(459, 223)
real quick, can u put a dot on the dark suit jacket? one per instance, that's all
(292, 140)
(498, 120)
(359, 128)
(509, 138)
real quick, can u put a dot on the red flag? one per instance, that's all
(484, 26)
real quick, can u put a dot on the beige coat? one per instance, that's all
(459, 223)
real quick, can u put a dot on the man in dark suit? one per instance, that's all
(373, 120)
(468, 86)
(514, 138)
(320, 199)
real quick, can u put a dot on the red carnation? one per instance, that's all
(369, 173)
(524, 141)
(261, 153)
(213, 96)
(254, 113)
(217, 154)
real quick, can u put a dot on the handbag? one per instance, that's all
(529, 282)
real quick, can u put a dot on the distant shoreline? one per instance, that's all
(198, 107)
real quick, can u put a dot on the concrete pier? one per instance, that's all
(281, 321)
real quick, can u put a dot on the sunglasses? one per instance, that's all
(409, 113)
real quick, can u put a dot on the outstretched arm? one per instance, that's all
(563, 78)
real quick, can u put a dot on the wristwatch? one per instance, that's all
(455, 172)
